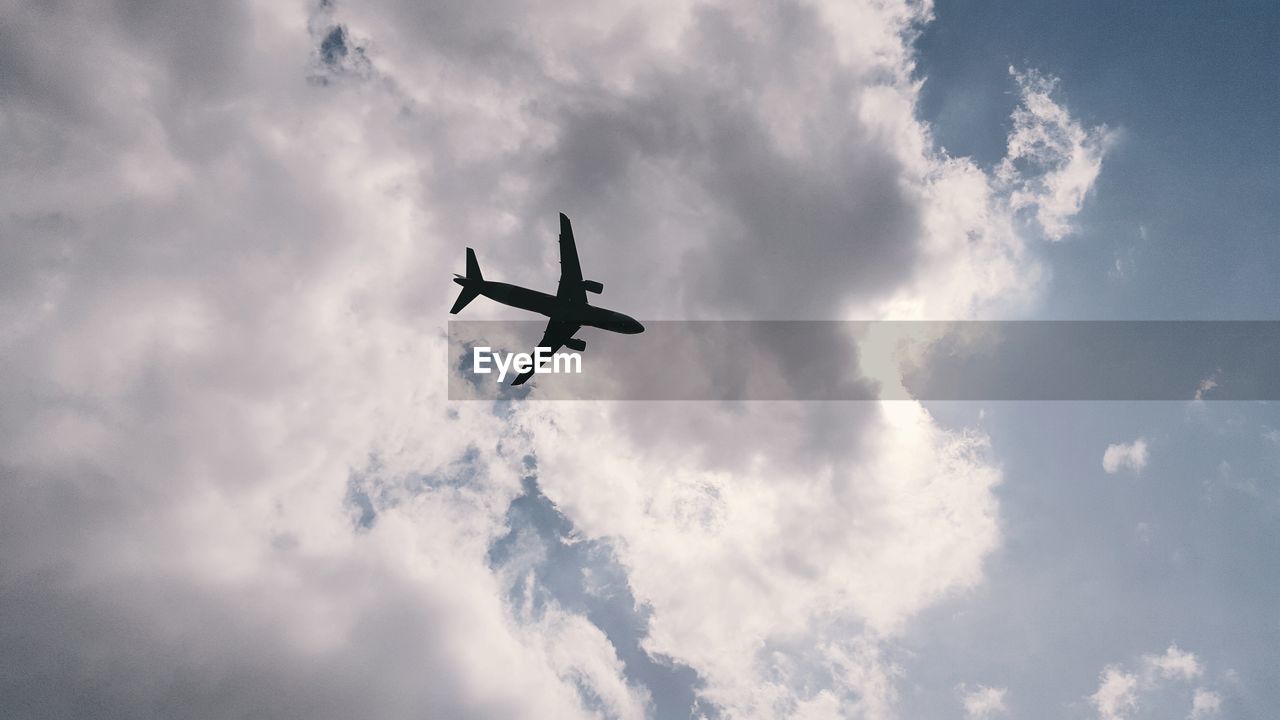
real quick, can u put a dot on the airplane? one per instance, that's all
(567, 311)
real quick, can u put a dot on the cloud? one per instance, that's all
(982, 701)
(758, 574)
(1205, 386)
(1122, 693)
(1117, 694)
(1052, 160)
(1205, 704)
(1174, 663)
(1120, 456)
(231, 477)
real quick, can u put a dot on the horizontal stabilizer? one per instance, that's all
(471, 284)
(469, 293)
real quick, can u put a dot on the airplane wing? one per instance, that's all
(553, 337)
(570, 271)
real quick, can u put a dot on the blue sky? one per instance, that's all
(1100, 568)
(1193, 89)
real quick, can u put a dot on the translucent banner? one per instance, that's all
(864, 360)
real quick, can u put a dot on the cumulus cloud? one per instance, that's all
(757, 572)
(1117, 694)
(982, 701)
(1052, 160)
(231, 481)
(1121, 456)
(1174, 663)
(1205, 704)
(1157, 678)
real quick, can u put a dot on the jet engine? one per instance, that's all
(592, 286)
(576, 344)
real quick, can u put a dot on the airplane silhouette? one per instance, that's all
(568, 310)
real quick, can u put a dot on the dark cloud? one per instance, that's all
(767, 231)
(146, 644)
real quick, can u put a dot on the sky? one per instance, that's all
(233, 482)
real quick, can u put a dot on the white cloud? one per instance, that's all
(1174, 663)
(761, 570)
(1117, 694)
(1205, 704)
(1122, 693)
(1120, 456)
(223, 312)
(982, 702)
(1205, 386)
(1052, 160)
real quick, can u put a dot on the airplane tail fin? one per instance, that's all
(470, 284)
(473, 267)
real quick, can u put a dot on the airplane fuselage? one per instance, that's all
(560, 309)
